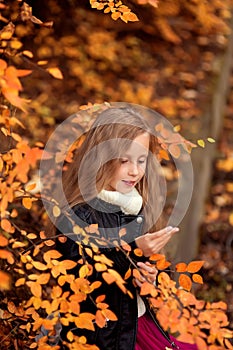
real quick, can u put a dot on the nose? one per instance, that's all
(133, 169)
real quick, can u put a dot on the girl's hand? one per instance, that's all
(147, 270)
(152, 243)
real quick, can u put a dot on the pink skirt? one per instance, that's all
(149, 337)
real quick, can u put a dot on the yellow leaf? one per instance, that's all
(201, 143)
(31, 236)
(83, 272)
(210, 139)
(56, 211)
(28, 53)
(18, 245)
(100, 267)
(68, 264)
(55, 72)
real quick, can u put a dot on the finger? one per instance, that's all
(165, 233)
(147, 267)
(138, 283)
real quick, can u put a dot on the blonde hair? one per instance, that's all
(117, 127)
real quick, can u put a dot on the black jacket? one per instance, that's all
(120, 334)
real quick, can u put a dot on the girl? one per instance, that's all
(114, 182)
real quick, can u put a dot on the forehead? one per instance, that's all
(140, 145)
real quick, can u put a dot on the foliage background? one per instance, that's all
(168, 61)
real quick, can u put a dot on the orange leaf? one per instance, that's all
(39, 266)
(148, 288)
(100, 267)
(181, 267)
(109, 314)
(108, 278)
(4, 254)
(128, 274)
(68, 264)
(194, 266)
(84, 320)
(43, 278)
(138, 252)
(100, 298)
(55, 72)
(6, 226)
(185, 282)
(20, 282)
(4, 281)
(174, 150)
(27, 202)
(3, 241)
(35, 288)
(156, 257)
(197, 278)
(51, 254)
(100, 319)
(162, 264)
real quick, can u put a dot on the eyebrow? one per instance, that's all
(129, 156)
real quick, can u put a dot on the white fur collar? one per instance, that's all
(130, 203)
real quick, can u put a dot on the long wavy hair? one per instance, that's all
(96, 160)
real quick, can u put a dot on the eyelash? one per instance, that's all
(123, 161)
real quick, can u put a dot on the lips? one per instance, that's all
(129, 183)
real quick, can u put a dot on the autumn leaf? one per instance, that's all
(194, 266)
(201, 143)
(39, 266)
(27, 202)
(162, 264)
(174, 150)
(56, 211)
(100, 319)
(55, 72)
(197, 278)
(83, 271)
(6, 226)
(138, 252)
(100, 267)
(84, 320)
(35, 288)
(3, 241)
(181, 267)
(5, 281)
(185, 282)
(51, 254)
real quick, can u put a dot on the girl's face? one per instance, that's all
(132, 165)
